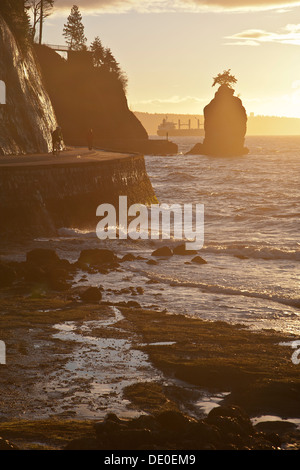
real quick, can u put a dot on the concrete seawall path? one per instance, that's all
(41, 193)
(76, 155)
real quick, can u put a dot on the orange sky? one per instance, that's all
(170, 50)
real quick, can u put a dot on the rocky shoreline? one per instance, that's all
(183, 357)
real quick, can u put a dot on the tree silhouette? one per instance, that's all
(112, 66)
(39, 11)
(225, 78)
(104, 59)
(98, 52)
(74, 31)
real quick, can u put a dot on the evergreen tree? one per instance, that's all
(74, 31)
(112, 66)
(98, 52)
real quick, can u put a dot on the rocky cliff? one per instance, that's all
(27, 119)
(87, 97)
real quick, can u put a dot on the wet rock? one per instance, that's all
(173, 421)
(277, 427)
(128, 257)
(281, 399)
(7, 275)
(133, 304)
(42, 257)
(226, 428)
(182, 251)
(7, 445)
(83, 444)
(199, 260)
(99, 259)
(43, 266)
(230, 419)
(96, 256)
(152, 262)
(163, 251)
(91, 295)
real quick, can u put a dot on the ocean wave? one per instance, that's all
(220, 289)
(73, 233)
(256, 252)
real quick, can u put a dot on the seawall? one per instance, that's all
(40, 194)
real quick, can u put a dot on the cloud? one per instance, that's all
(144, 6)
(290, 34)
(240, 5)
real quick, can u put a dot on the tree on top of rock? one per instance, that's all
(225, 78)
(98, 52)
(112, 66)
(74, 31)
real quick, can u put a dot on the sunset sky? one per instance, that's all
(172, 49)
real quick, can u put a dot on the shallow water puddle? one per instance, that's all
(104, 365)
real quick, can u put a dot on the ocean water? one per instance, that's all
(251, 245)
(251, 241)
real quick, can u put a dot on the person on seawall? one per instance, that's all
(90, 139)
(57, 140)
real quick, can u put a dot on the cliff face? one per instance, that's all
(85, 97)
(36, 200)
(27, 119)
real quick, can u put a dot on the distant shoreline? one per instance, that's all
(257, 125)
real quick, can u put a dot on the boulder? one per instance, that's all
(96, 258)
(91, 295)
(230, 420)
(133, 304)
(163, 251)
(152, 262)
(42, 257)
(199, 260)
(43, 266)
(128, 257)
(7, 275)
(181, 250)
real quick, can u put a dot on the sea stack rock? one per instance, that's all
(225, 124)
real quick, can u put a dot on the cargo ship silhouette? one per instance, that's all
(168, 128)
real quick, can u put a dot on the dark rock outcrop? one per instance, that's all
(225, 124)
(96, 257)
(94, 98)
(43, 266)
(223, 429)
(86, 97)
(7, 275)
(91, 295)
(27, 119)
(163, 251)
(182, 251)
(199, 260)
